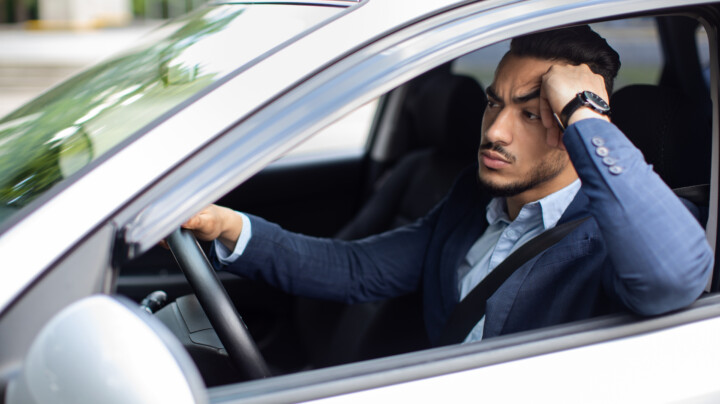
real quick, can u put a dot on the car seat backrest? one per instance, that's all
(445, 112)
(443, 115)
(673, 132)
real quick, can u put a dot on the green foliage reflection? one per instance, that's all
(68, 127)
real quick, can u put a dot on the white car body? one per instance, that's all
(365, 50)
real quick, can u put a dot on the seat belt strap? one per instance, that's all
(471, 309)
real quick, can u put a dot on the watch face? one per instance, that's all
(595, 101)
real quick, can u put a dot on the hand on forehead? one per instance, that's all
(562, 82)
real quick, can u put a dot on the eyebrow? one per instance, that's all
(520, 99)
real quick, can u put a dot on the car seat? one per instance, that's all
(672, 131)
(442, 114)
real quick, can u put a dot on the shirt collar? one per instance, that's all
(552, 206)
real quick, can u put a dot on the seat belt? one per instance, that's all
(471, 309)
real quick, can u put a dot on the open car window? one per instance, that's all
(298, 333)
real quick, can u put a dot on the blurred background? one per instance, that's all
(43, 42)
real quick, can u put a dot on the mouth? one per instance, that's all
(493, 160)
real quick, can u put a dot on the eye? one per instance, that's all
(492, 104)
(529, 115)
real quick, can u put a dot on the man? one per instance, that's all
(641, 249)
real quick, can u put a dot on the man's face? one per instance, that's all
(514, 155)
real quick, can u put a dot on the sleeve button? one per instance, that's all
(597, 141)
(609, 161)
(602, 151)
(615, 170)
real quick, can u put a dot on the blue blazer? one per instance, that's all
(642, 250)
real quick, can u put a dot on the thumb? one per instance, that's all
(191, 223)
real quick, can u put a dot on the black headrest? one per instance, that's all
(673, 132)
(445, 112)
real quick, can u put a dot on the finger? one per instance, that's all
(553, 134)
(546, 113)
(554, 138)
(191, 223)
(197, 221)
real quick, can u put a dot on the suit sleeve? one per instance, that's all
(381, 266)
(659, 258)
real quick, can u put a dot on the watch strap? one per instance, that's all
(570, 108)
(581, 99)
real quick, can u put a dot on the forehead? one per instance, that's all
(516, 75)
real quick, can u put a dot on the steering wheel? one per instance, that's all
(218, 307)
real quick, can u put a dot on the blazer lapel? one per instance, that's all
(499, 305)
(578, 208)
(464, 230)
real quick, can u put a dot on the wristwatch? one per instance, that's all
(582, 99)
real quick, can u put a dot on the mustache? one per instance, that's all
(499, 149)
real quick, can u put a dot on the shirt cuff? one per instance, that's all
(223, 254)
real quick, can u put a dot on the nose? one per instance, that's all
(499, 129)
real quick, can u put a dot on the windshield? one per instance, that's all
(57, 134)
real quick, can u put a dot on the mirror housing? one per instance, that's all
(105, 349)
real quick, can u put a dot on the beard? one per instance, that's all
(542, 172)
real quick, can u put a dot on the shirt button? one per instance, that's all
(598, 141)
(609, 161)
(615, 170)
(602, 151)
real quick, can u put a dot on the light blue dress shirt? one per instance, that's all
(500, 239)
(503, 236)
(223, 254)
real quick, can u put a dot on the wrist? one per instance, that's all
(586, 113)
(231, 227)
(584, 105)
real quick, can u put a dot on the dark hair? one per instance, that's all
(576, 45)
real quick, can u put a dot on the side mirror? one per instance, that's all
(104, 349)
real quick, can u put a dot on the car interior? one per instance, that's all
(422, 135)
